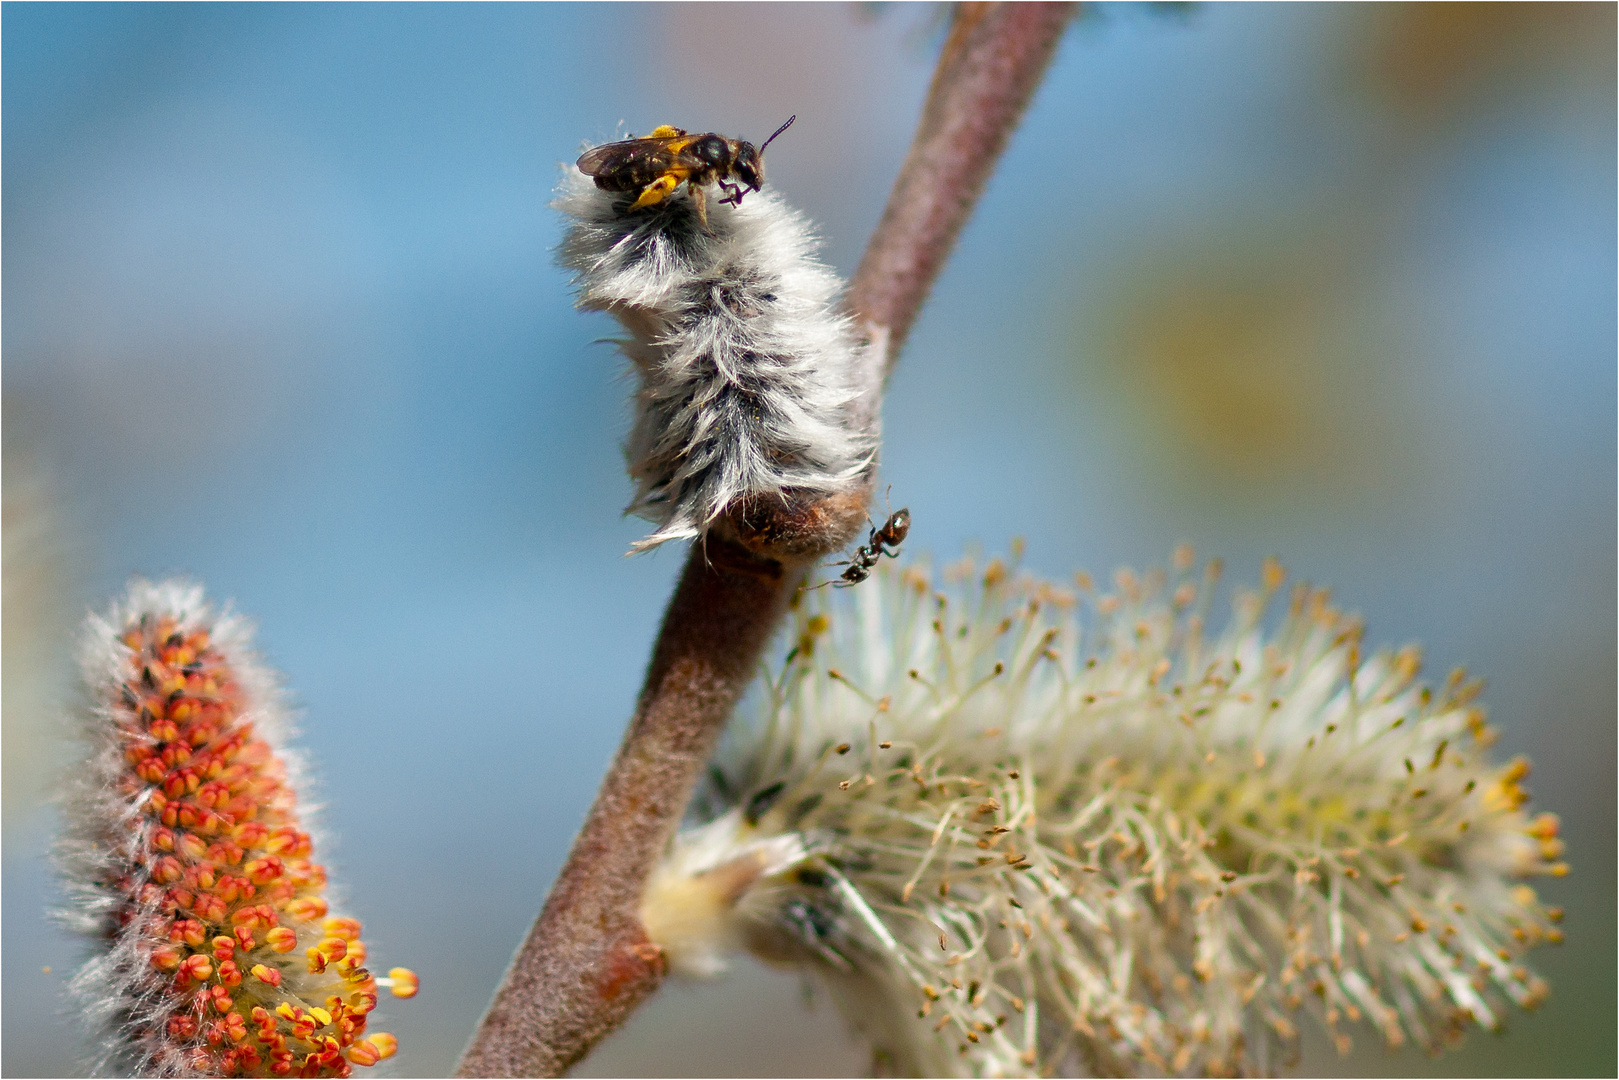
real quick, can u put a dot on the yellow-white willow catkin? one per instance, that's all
(1024, 829)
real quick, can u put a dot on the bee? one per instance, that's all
(656, 165)
(883, 541)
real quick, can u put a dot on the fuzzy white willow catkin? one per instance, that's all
(753, 385)
(186, 865)
(1021, 830)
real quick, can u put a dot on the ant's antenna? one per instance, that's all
(779, 130)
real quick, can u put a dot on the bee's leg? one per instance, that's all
(700, 200)
(733, 193)
(657, 191)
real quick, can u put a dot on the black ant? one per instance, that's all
(883, 541)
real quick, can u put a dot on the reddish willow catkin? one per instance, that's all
(215, 952)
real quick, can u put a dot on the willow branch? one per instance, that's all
(991, 63)
(587, 963)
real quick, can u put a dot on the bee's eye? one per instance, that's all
(746, 167)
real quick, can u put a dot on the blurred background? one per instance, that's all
(280, 312)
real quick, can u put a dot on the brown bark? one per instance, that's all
(587, 963)
(992, 61)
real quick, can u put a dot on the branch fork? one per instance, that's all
(587, 961)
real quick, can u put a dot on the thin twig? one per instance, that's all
(991, 63)
(587, 963)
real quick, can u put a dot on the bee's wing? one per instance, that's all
(615, 155)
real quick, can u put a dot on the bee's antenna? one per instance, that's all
(778, 131)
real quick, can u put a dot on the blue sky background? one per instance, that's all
(280, 312)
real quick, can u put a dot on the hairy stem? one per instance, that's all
(587, 963)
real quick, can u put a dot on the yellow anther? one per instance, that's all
(405, 984)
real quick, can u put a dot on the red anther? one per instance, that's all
(225, 853)
(230, 888)
(181, 1026)
(201, 877)
(347, 929)
(267, 975)
(167, 870)
(190, 931)
(354, 958)
(244, 938)
(317, 960)
(285, 841)
(166, 958)
(211, 822)
(385, 1043)
(191, 846)
(163, 730)
(281, 939)
(213, 794)
(307, 908)
(177, 899)
(188, 814)
(364, 1053)
(195, 966)
(210, 907)
(221, 999)
(307, 876)
(264, 870)
(223, 947)
(250, 834)
(176, 754)
(151, 769)
(163, 839)
(230, 974)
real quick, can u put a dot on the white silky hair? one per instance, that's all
(752, 381)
